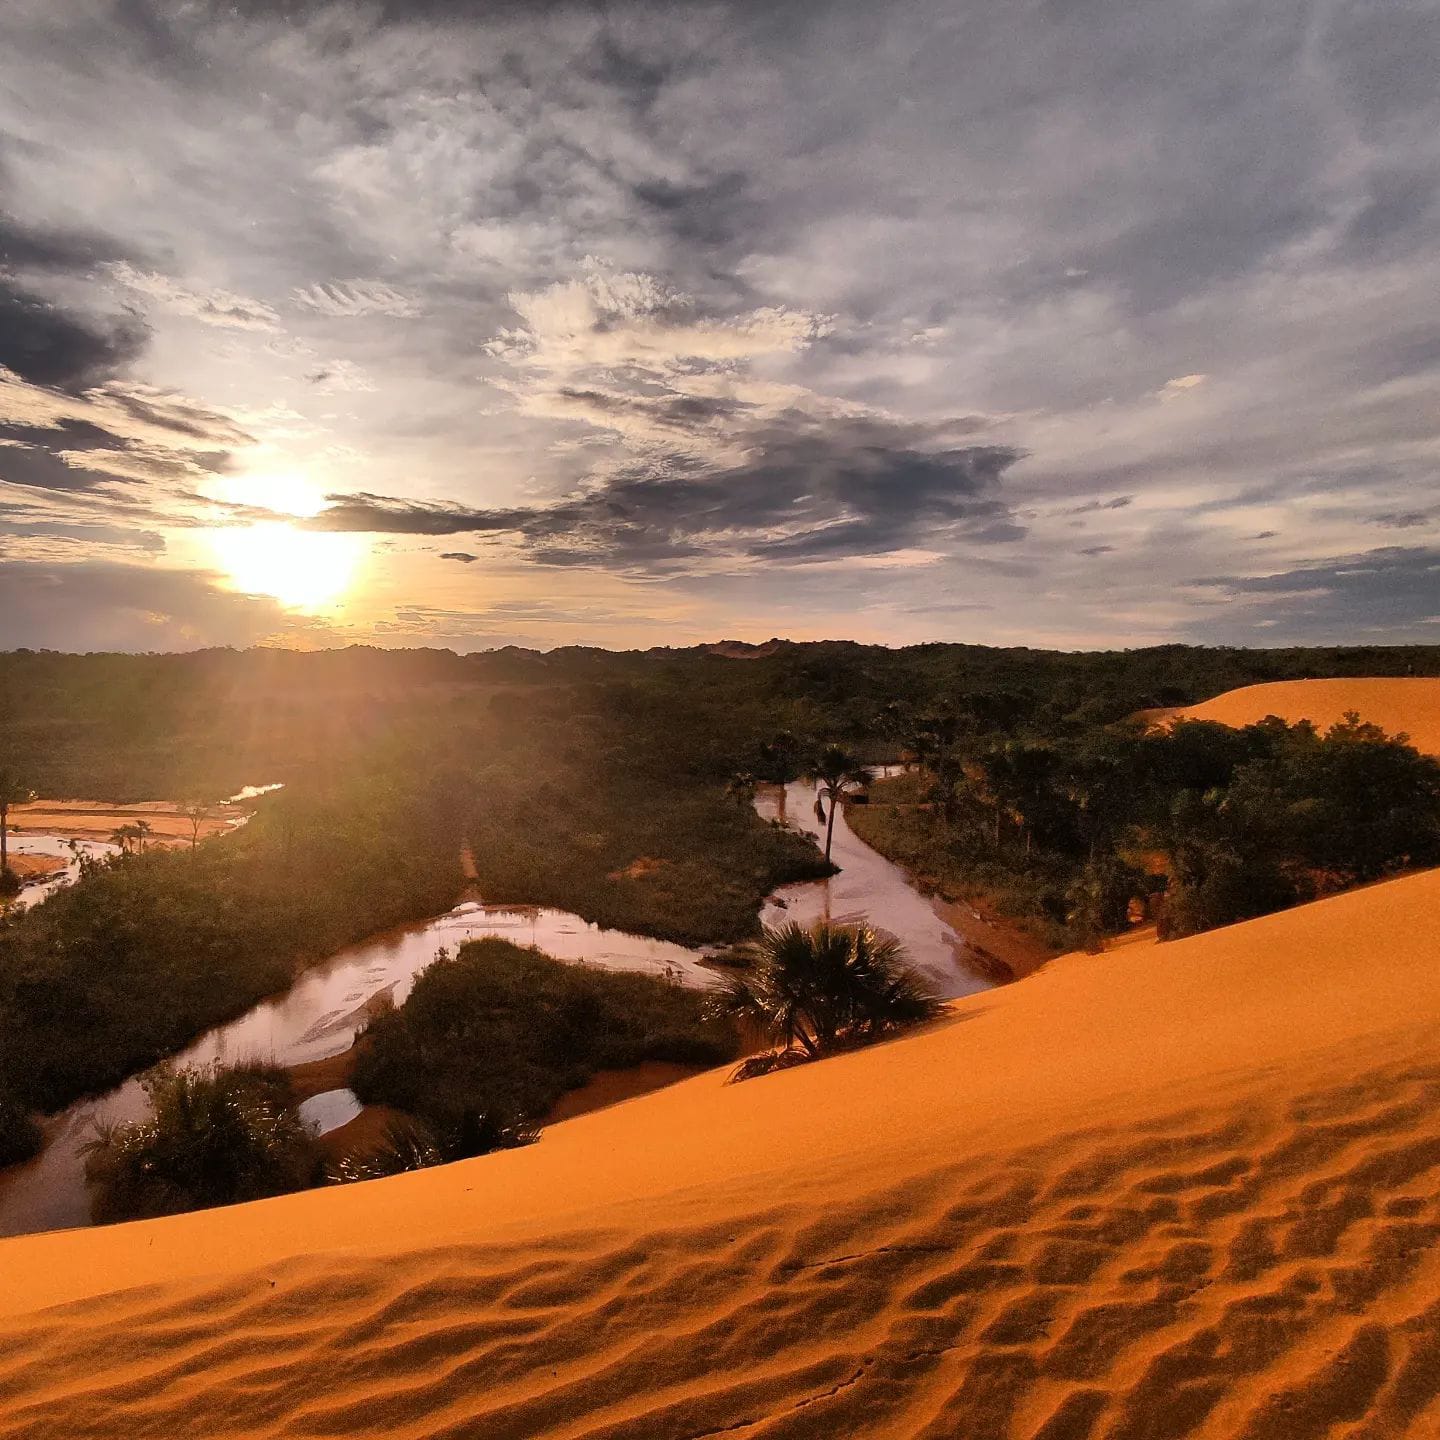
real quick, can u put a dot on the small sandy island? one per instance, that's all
(1179, 1190)
(1408, 705)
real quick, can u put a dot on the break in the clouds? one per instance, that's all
(1057, 323)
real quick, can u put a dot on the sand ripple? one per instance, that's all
(1269, 1277)
(1190, 1191)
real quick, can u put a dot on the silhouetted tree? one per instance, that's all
(197, 812)
(837, 772)
(13, 791)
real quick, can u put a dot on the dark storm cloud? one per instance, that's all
(463, 556)
(1393, 591)
(39, 468)
(804, 491)
(48, 346)
(36, 247)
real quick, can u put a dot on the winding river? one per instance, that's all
(321, 1013)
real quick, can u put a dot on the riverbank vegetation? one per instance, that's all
(815, 991)
(145, 952)
(214, 1137)
(1197, 825)
(586, 807)
(20, 1136)
(492, 1036)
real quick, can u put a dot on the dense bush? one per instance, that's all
(143, 953)
(20, 1136)
(1231, 823)
(495, 1034)
(216, 1137)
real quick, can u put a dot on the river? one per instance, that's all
(320, 1015)
(871, 888)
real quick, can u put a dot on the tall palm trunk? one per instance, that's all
(830, 826)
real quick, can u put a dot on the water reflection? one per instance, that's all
(329, 1110)
(870, 888)
(322, 1012)
(318, 1017)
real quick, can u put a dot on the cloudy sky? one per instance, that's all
(1054, 322)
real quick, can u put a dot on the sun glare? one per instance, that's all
(286, 494)
(302, 569)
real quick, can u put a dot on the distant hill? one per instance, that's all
(742, 649)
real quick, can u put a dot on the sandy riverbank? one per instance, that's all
(994, 938)
(95, 820)
(27, 867)
(1170, 1190)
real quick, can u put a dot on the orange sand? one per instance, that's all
(95, 820)
(1409, 705)
(26, 866)
(1177, 1190)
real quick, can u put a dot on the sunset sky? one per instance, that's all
(1066, 323)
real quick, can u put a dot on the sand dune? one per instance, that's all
(1191, 1189)
(1409, 705)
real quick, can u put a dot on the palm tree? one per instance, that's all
(808, 989)
(124, 836)
(837, 772)
(142, 832)
(778, 762)
(12, 792)
(215, 1137)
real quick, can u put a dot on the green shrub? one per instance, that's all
(216, 1137)
(20, 1136)
(494, 1035)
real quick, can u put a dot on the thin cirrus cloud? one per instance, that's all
(211, 307)
(685, 306)
(348, 299)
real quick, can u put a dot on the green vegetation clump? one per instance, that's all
(830, 987)
(147, 951)
(216, 1137)
(617, 786)
(494, 1035)
(1201, 825)
(409, 1144)
(613, 803)
(20, 1136)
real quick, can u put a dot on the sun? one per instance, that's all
(302, 569)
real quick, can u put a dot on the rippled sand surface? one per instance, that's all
(1176, 1190)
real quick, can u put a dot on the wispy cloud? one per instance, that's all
(210, 307)
(1083, 301)
(347, 299)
